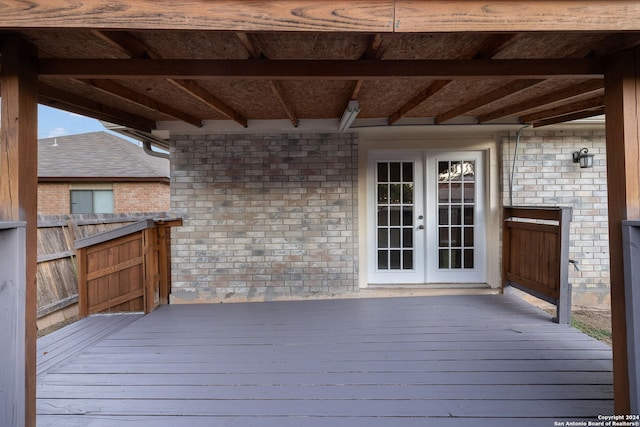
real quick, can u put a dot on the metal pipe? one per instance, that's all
(513, 164)
(146, 146)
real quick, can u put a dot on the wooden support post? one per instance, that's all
(12, 319)
(631, 242)
(18, 184)
(622, 103)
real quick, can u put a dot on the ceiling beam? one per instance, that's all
(123, 92)
(494, 95)
(57, 98)
(133, 47)
(371, 16)
(569, 117)
(546, 99)
(589, 104)
(255, 69)
(516, 16)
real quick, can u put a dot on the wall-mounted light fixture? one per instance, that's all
(584, 158)
(349, 115)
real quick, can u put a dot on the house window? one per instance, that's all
(91, 201)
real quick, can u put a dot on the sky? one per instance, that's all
(53, 122)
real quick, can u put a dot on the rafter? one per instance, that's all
(549, 98)
(589, 104)
(255, 52)
(422, 96)
(377, 47)
(57, 98)
(494, 95)
(195, 90)
(319, 69)
(277, 90)
(569, 117)
(493, 45)
(126, 44)
(357, 87)
(250, 45)
(619, 43)
(123, 92)
(489, 47)
(133, 47)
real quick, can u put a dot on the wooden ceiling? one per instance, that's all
(137, 77)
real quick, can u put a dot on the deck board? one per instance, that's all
(60, 345)
(447, 361)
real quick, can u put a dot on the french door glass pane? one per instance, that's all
(394, 222)
(456, 214)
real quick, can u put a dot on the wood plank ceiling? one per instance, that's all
(137, 78)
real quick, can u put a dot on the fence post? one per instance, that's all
(563, 315)
(83, 302)
(506, 247)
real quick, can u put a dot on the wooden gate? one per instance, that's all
(126, 269)
(535, 254)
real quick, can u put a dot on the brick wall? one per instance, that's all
(53, 198)
(265, 217)
(546, 176)
(141, 197)
(129, 197)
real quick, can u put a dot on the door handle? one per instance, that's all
(421, 227)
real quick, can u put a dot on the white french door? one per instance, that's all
(426, 218)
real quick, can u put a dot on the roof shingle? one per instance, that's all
(97, 155)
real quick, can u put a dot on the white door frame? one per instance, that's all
(434, 274)
(426, 269)
(408, 276)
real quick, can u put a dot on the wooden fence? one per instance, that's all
(57, 270)
(535, 249)
(126, 269)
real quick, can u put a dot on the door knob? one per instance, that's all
(421, 227)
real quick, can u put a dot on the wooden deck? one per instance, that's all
(420, 361)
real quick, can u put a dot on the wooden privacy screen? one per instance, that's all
(126, 269)
(535, 254)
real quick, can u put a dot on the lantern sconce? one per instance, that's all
(584, 158)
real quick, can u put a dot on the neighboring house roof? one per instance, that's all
(97, 156)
